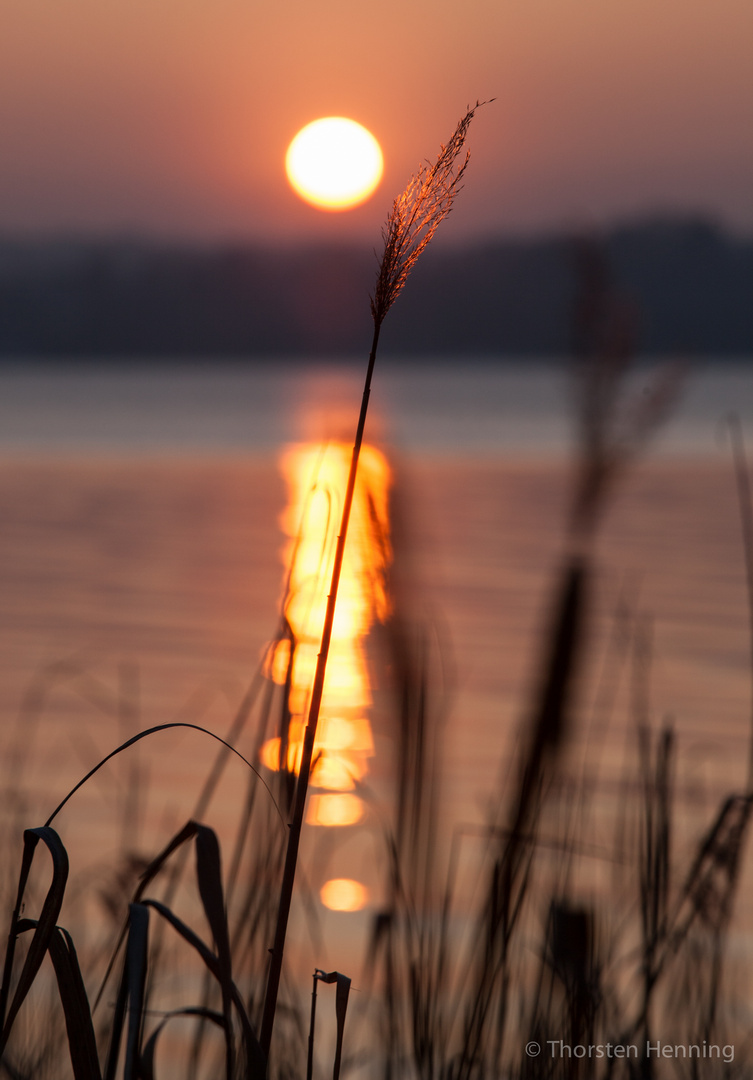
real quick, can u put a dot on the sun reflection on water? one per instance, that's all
(343, 894)
(316, 477)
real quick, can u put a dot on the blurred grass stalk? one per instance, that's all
(412, 222)
(460, 1004)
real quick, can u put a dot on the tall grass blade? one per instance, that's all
(136, 967)
(256, 1067)
(78, 1019)
(342, 993)
(209, 877)
(145, 734)
(186, 833)
(150, 1046)
(745, 503)
(45, 927)
(82, 1043)
(208, 873)
(341, 1007)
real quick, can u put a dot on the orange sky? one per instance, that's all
(173, 116)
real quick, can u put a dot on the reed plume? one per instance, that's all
(417, 214)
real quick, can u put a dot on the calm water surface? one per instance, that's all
(450, 406)
(140, 569)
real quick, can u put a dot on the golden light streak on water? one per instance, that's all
(316, 476)
(336, 809)
(343, 894)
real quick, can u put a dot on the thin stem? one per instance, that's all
(310, 1061)
(291, 857)
(746, 524)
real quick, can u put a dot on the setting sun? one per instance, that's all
(334, 163)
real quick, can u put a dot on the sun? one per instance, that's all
(334, 163)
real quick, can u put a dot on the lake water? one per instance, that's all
(451, 406)
(140, 577)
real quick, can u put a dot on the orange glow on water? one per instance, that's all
(334, 809)
(316, 477)
(344, 894)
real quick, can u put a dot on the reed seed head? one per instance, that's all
(416, 215)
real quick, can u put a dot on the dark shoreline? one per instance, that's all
(687, 282)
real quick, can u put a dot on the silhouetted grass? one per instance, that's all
(453, 988)
(412, 222)
(642, 962)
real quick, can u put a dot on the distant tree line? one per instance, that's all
(689, 283)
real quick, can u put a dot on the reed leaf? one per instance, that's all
(82, 1042)
(45, 927)
(150, 1046)
(136, 969)
(255, 1061)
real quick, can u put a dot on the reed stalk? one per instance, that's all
(414, 218)
(745, 502)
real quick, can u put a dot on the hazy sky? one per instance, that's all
(173, 116)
